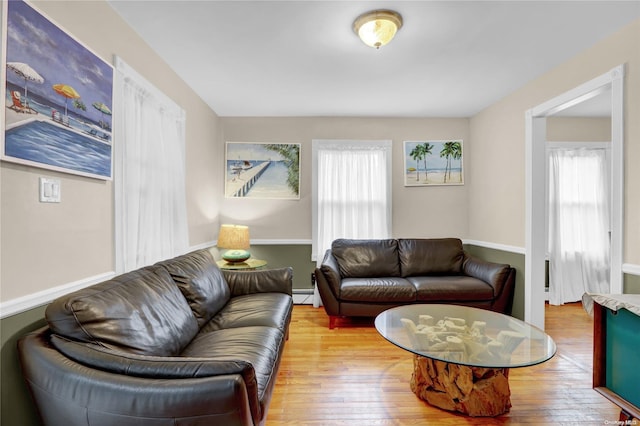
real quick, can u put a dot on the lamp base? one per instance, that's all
(236, 256)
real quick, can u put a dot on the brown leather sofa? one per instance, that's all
(366, 277)
(178, 342)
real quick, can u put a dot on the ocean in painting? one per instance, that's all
(434, 170)
(46, 143)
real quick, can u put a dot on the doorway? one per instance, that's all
(535, 188)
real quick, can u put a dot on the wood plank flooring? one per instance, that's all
(352, 376)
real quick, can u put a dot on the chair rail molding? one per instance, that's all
(495, 246)
(631, 269)
(34, 300)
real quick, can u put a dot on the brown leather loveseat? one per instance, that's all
(366, 277)
(178, 342)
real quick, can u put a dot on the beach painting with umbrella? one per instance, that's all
(57, 97)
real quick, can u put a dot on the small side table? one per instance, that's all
(248, 265)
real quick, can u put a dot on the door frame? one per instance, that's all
(535, 186)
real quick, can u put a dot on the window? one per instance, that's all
(149, 173)
(579, 224)
(351, 192)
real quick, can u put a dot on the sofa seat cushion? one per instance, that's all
(260, 346)
(141, 312)
(366, 258)
(451, 288)
(430, 256)
(201, 282)
(258, 309)
(386, 289)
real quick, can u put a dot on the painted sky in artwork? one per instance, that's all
(58, 58)
(251, 152)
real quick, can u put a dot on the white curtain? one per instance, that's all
(579, 245)
(151, 218)
(352, 193)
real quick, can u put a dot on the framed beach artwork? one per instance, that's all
(430, 163)
(262, 170)
(57, 97)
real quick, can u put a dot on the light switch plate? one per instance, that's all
(49, 190)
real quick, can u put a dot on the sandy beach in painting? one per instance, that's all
(433, 178)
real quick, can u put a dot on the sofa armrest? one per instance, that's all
(494, 274)
(331, 271)
(328, 282)
(278, 280)
(74, 393)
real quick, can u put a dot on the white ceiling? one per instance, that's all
(301, 58)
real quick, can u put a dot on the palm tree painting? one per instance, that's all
(430, 163)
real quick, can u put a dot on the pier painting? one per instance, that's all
(262, 170)
(430, 163)
(57, 98)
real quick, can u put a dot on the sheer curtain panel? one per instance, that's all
(579, 246)
(351, 193)
(151, 217)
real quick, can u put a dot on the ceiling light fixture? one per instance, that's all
(377, 28)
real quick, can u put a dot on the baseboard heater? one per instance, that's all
(303, 296)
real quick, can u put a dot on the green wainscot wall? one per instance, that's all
(17, 408)
(516, 260)
(631, 284)
(297, 256)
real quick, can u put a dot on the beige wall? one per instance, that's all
(47, 245)
(497, 181)
(417, 212)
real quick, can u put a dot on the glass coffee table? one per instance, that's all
(462, 355)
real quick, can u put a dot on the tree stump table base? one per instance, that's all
(474, 391)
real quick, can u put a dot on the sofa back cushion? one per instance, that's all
(366, 258)
(141, 312)
(201, 282)
(435, 256)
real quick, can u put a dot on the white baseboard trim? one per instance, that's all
(31, 301)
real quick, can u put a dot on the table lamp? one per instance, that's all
(235, 238)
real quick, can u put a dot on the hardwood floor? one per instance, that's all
(352, 376)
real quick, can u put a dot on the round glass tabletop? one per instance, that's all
(466, 336)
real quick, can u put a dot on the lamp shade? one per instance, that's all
(378, 27)
(236, 239)
(233, 237)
